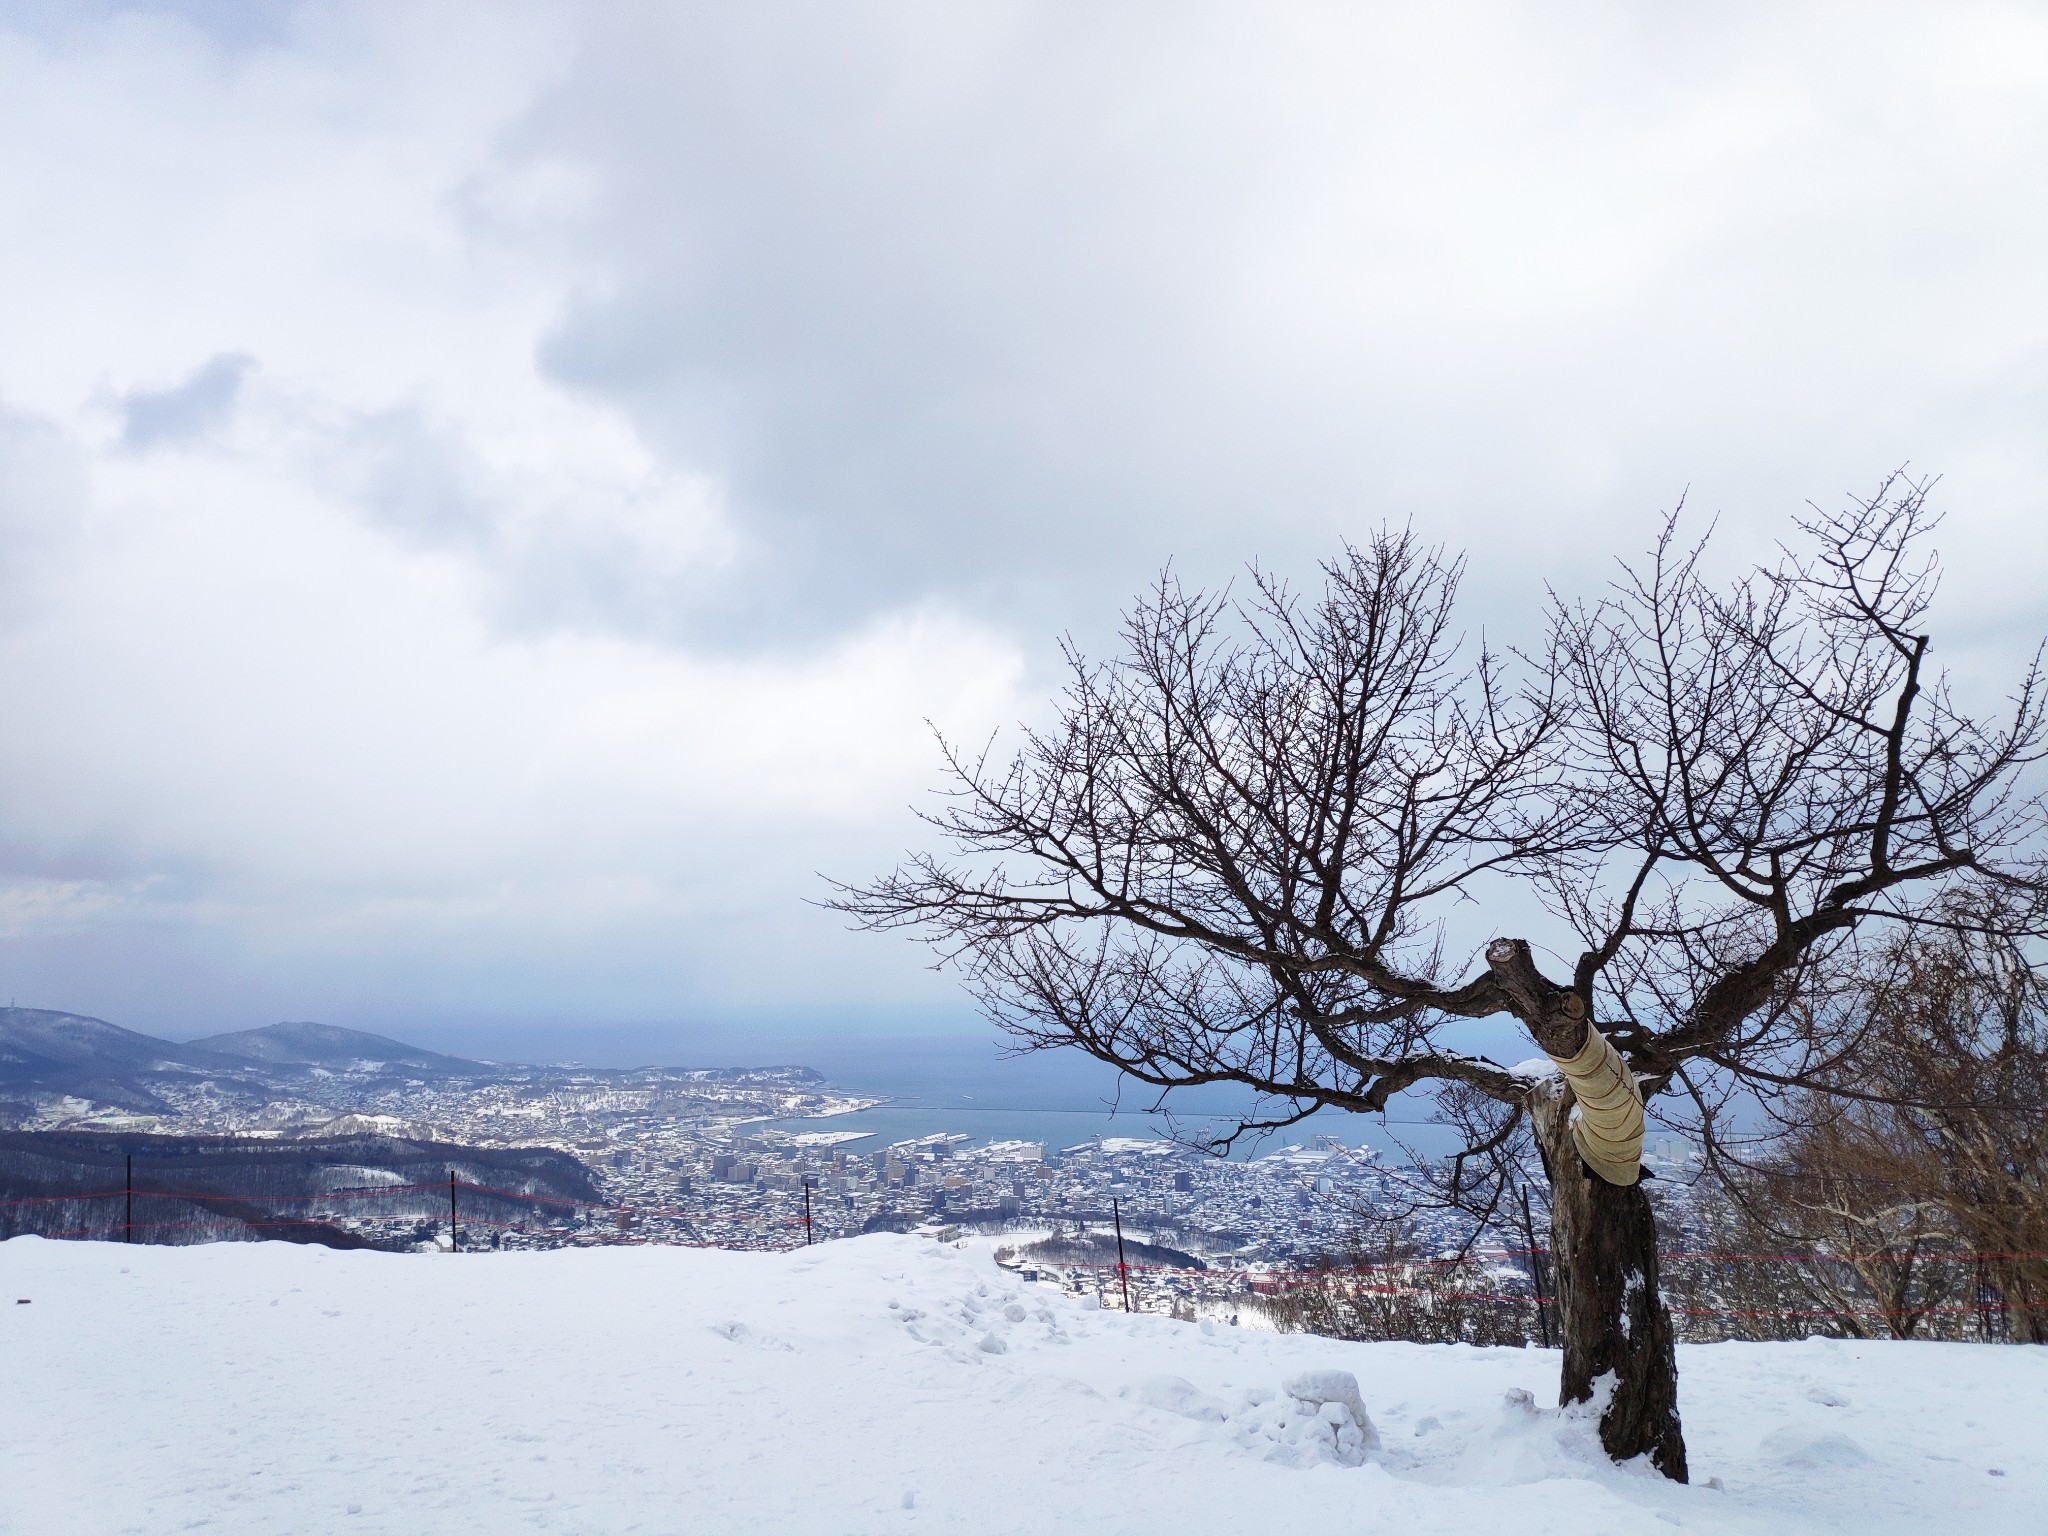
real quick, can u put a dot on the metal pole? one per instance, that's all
(453, 1239)
(131, 1199)
(1123, 1270)
(807, 1213)
(1535, 1268)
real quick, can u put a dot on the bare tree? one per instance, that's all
(1963, 1045)
(1836, 1213)
(1230, 858)
(1933, 1141)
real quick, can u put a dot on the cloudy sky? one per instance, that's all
(490, 494)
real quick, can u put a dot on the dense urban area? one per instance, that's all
(761, 1159)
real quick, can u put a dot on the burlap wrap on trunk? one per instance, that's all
(1608, 1125)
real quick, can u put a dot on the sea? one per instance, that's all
(961, 1080)
(972, 1088)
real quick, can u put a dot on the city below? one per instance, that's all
(737, 1158)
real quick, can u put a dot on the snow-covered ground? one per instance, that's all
(889, 1384)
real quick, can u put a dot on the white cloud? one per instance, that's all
(491, 492)
(948, 302)
(352, 674)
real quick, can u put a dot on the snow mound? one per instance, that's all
(1178, 1395)
(1316, 1417)
(1797, 1445)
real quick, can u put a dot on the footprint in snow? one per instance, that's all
(740, 1333)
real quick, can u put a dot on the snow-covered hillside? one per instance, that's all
(889, 1384)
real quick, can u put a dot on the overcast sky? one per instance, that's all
(490, 494)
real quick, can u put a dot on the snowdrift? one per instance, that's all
(890, 1384)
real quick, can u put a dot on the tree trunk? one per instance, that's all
(1603, 1242)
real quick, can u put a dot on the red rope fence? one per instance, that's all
(439, 1188)
(1259, 1279)
(433, 1192)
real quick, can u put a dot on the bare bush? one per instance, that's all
(1384, 1285)
(1908, 1197)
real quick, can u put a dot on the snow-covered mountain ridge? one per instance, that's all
(891, 1384)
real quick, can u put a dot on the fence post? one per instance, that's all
(1535, 1268)
(454, 1241)
(807, 1212)
(130, 1224)
(1123, 1270)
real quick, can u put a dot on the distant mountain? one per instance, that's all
(73, 1039)
(45, 1051)
(46, 1055)
(328, 1045)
